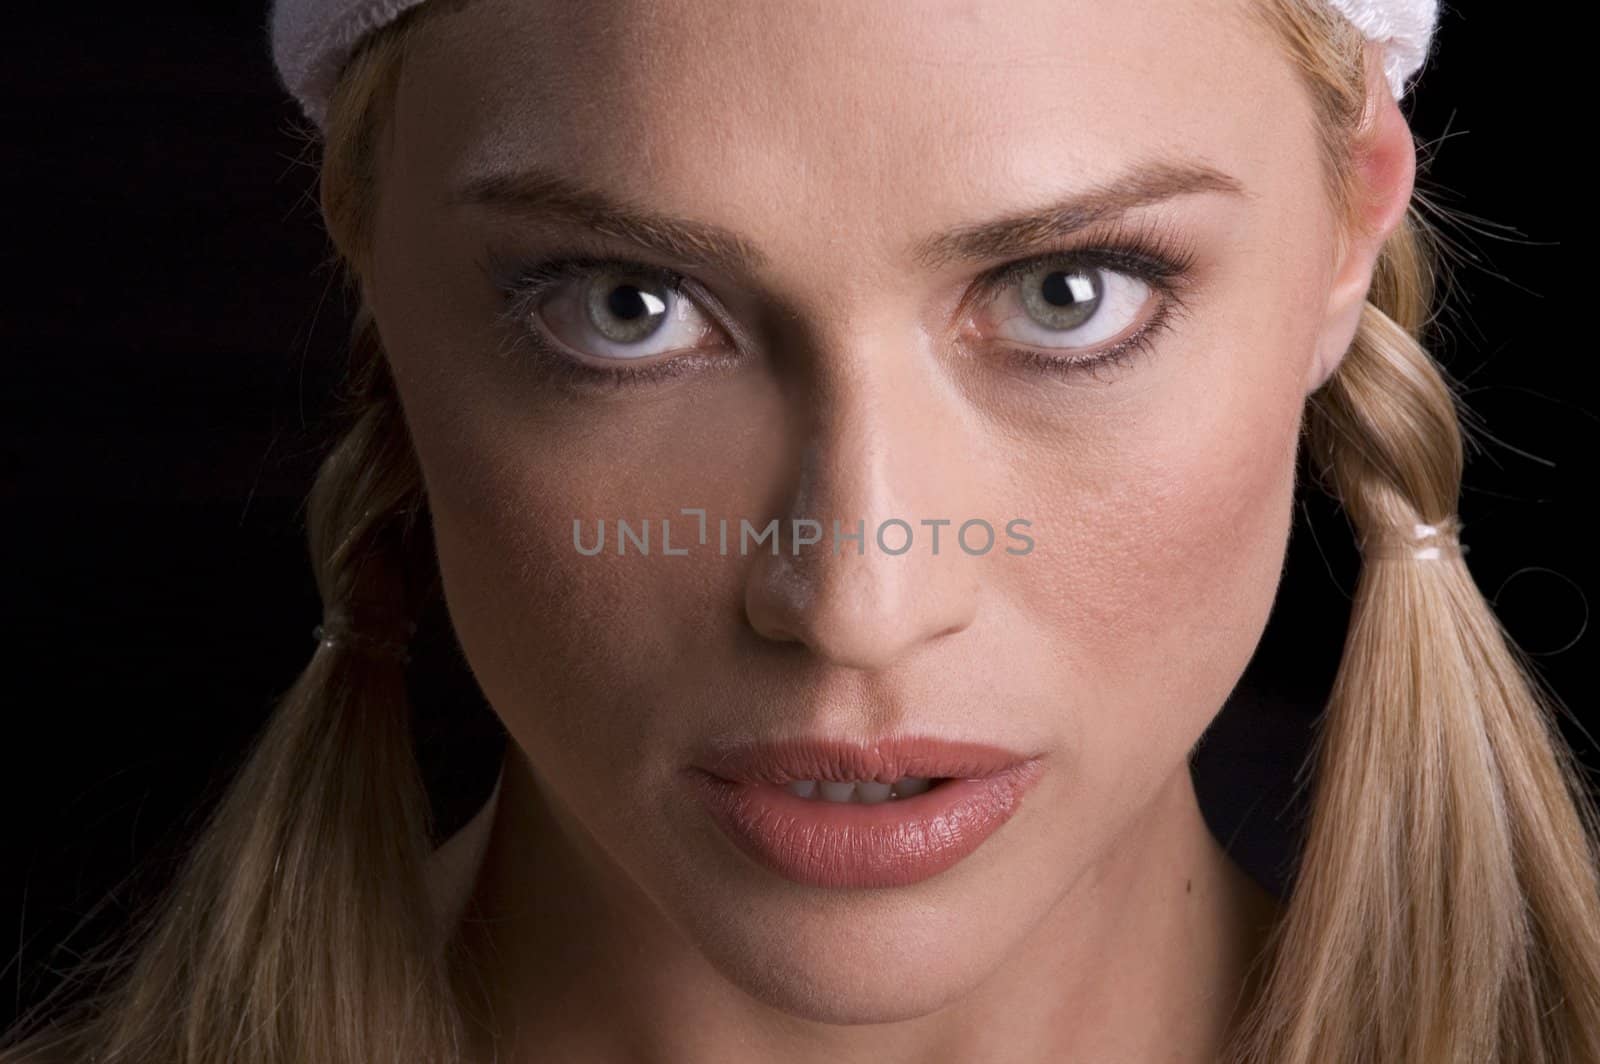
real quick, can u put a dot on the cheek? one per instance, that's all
(563, 645)
(574, 650)
(1161, 576)
(553, 635)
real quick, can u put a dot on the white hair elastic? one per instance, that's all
(1425, 543)
(375, 635)
(311, 39)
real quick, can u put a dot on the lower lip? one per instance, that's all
(847, 844)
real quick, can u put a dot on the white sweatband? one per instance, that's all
(1404, 26)
(311, 39)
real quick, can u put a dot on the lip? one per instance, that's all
(893, 843)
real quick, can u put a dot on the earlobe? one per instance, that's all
(1384, 166)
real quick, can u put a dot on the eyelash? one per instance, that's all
(1147, 251)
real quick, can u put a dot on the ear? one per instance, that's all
(1385, 168)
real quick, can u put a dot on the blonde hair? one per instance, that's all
(1446, 904)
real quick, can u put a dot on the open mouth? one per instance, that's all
(862, 832)
(864, 792)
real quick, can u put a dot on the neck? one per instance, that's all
(1147, 956)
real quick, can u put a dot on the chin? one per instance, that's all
(833, 976)
(864, 956)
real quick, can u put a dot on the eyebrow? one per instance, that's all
(541, 194)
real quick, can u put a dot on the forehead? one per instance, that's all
(867, 116)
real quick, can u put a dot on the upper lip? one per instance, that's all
(785, 760)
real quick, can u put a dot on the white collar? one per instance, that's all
(453, 869)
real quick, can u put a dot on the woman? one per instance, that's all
(774, 296)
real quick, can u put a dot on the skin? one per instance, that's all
(613, 920)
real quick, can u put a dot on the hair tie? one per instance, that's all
(1422, 542)
(339, 632)
(312, 39)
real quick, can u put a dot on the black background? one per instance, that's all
(173, 329)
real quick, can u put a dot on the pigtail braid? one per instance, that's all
(324, 833)
(1447, 891)
(263, 949)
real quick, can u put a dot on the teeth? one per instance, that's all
(837, 792)
(865, 792)
(872, 793)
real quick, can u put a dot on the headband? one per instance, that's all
(311, 39)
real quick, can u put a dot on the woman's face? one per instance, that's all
(849, 362)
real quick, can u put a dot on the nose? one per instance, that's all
(888, 483)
